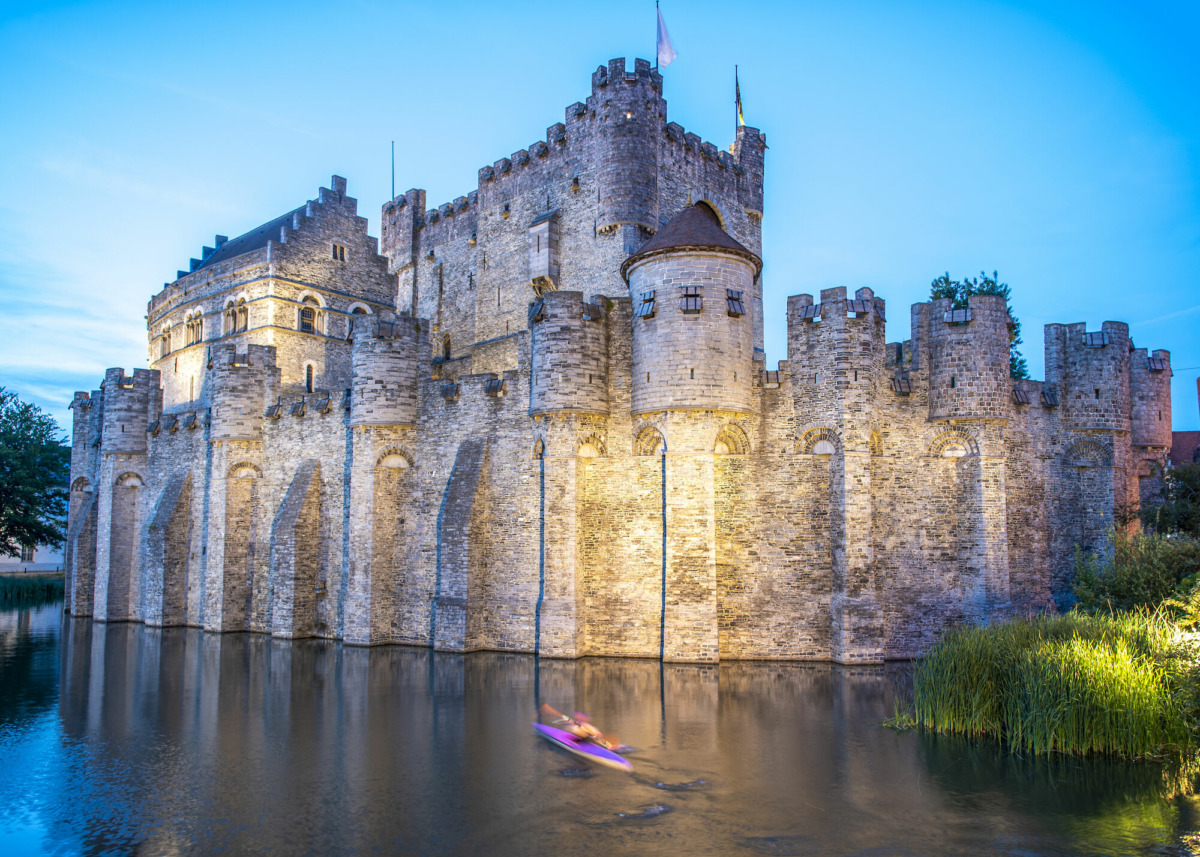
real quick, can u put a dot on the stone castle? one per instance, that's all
(539, 419)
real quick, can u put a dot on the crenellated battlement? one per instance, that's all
(569, 354)
(1089, 371)
(130, 403)
(387, 360)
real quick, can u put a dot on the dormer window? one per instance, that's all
(339, 253)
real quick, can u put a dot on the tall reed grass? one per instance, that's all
(29, 591)
(1122, 685)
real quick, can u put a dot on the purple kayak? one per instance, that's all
(589, 750)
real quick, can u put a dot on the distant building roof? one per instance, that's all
(694, 228)
(255, 239)
(1185, 447)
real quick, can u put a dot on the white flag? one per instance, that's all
(666, 53)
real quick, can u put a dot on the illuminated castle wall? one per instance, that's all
(539, 419)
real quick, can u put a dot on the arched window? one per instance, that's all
(310, 316)
(446, 347)
(231, 324)
(243, 315)
(164, 345)
(199, 328)
(360, 310)
(308, 378)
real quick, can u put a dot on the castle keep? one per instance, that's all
(538, 418)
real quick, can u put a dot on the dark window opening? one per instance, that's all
(691, 302)
(1097, 392)
(733, 303)
(339, 253)
(307, 320)
(308, 378)
(446, 348)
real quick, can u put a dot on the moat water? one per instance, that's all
(119, 739)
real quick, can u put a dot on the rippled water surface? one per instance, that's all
(119, 739)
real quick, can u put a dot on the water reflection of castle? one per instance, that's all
(173, 739)
(540, 419)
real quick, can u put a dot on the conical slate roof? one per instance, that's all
(694, 228)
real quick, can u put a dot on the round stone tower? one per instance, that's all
(969, 372)
(569, 353)
(385, 360)
(630, 111)
(693, 340)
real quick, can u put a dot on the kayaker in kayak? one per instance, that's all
(579, 725)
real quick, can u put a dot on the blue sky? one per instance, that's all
(1058, 143)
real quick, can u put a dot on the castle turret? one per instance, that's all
(693, 343)
(385, 358)
(969, 371)
(569, 354)
(1090, 372)
(240, 389)
(836, 357)
(130, 402)
(630, 110)
(1150, 395)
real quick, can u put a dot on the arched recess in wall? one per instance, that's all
(359, 308)
(955, 443)
(244, 577)
(445, 349)
(124, 529)
(1087, 453)
(591, 446)
(649, 441)
(390, 563)
(245, 470)
(395, 458)
(817, 441)
(539, 449)
(81, 485)
(731, 440)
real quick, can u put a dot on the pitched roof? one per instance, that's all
(694, 228)
(255, 239)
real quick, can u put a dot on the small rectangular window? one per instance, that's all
(691, 301)
(339, 253)
(646, 309)
(1157, 364)
(733, 303)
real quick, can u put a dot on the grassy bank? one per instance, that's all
(1123, 685)
(30, 591)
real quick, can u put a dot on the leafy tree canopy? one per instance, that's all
(1179, 509)
(35, 464)
(960, 291)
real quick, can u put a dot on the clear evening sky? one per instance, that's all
(1058, 143)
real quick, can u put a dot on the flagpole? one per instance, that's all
(656, 13)
(393, 169)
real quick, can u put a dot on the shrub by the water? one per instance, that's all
(1140, 570)
(30, 591)
(1117, 685)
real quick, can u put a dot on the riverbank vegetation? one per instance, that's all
(30, 591)
(1118, 676)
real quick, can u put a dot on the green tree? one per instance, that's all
(960, 291)
(1179, 509)
(35, 464)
